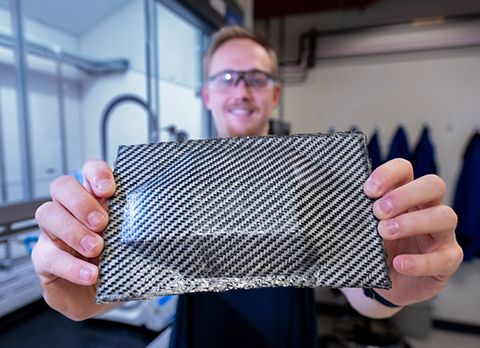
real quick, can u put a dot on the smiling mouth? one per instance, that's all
(240, 112)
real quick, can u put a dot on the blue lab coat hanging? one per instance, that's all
(467, 201)
(374, 152)
(399, 146)
(423, 159)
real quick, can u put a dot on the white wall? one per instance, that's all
(43, 107)
(458, 301)
(438, 88)
(381, 12)
(404, 86)
(122, 35)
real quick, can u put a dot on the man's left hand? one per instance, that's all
(418, 231)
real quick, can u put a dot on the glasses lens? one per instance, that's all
(223, 81)
(230, 79)
(256, 79)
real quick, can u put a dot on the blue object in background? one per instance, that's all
(232, 19)
(467, 201)
(28, 243)
(399, 146)
(423, 159)
(77, 175)
(374, 152)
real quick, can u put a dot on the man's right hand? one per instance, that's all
(70, 241)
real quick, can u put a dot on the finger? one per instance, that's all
(58, 223)
(422, 193)
(387, 177)
(439, 264)
(51, 263)
(72, 195)
(440, 221)
(98, 178)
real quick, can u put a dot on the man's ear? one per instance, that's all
(206, 97)
(276, 95)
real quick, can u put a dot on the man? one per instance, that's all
(240, 90)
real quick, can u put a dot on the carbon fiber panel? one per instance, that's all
(240, 213)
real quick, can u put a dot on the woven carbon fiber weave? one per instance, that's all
(240, 213)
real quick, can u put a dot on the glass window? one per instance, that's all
(66, 101)
(179, 59)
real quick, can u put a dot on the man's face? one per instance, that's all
(240, 110)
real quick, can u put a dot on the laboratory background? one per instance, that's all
(80, 77)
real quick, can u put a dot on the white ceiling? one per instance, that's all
(73, 16)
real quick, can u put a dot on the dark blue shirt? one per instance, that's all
(269, 317)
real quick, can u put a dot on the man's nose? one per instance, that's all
(241, 89)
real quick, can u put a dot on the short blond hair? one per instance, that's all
(235, 32)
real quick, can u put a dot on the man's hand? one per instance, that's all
(418, 231)
(66, 255)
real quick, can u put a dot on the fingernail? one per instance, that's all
(406, 265)
(391, 226)
(95, 218)
(384, 205)
(104, 185)
(88, 243)
(373, 186)
(86, 274)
